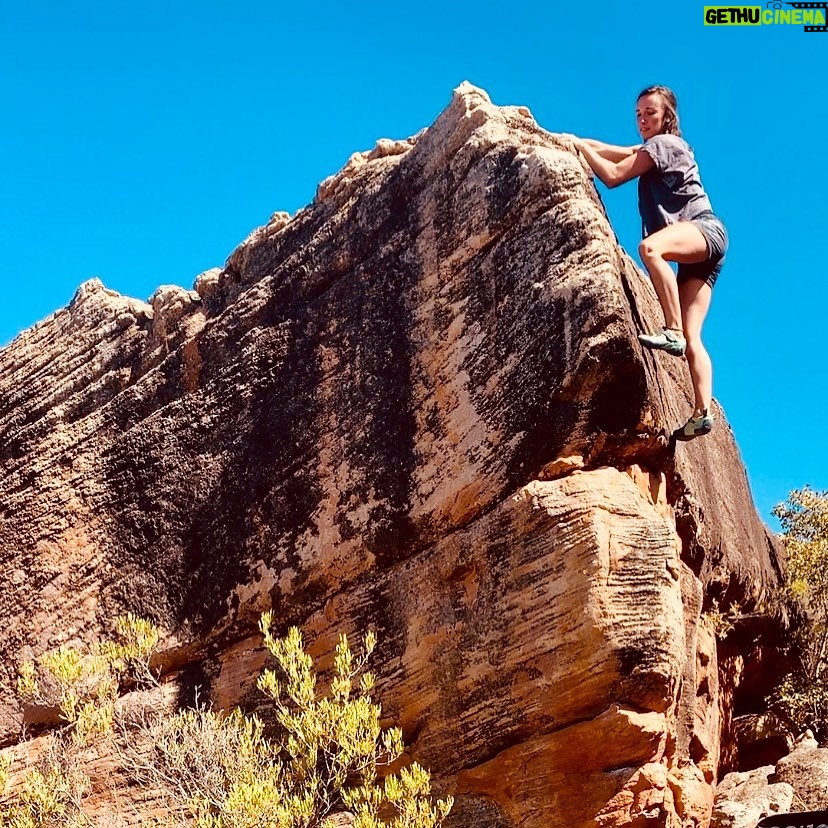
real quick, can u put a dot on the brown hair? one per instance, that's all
(668, 98)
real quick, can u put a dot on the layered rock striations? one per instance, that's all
(417, 406)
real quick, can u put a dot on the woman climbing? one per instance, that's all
(679, 226)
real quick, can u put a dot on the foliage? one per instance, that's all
(323, 758)
(321, 755)
(49, 796)
(205, 760)
(85, 686)
(80, 686)
(129, 655)
(721, 623)
(5, 765)
(802, 697)
(803, 704)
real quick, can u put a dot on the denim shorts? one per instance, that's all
(716, 237)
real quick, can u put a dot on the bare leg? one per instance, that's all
(682, 242)
(664, 282)
(695, 296)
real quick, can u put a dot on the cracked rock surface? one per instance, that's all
(418, 406)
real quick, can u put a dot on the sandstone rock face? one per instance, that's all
(763, 736)
(799, 782)
(742, 799)
(806, 770)
(418, 406)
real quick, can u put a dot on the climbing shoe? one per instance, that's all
(668, 340)
(695, 427)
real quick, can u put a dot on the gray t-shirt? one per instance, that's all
(671, 191)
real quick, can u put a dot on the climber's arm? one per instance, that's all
(610, 152)
(613, 173)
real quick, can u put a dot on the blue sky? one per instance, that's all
(142, 142)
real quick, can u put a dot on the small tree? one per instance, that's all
(225, 772)
(333, 745)
(802, 696)
(85, 686)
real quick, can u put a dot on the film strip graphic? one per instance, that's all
(805, 819)
(823, 6)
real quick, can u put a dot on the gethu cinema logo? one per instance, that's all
(810, 15)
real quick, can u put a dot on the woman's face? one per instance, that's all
(649, 115)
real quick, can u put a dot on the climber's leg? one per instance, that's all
(684, 243)
(695, 295)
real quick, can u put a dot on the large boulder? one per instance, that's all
(798, 783)
(743, 798)
(806, 770)
(418, 405)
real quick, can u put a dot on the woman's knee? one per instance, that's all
(647, 250)
(695, 346)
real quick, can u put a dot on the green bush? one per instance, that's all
(322, 760)
(51, 798)
(802, 697)
(224, 770)
(85, 686)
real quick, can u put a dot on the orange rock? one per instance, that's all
(350, 422)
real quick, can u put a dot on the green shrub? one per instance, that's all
(721, 623)
(49, 796)
(85, 686)
(802, 696)
(129, 655)
(224, 770)
(322, 760)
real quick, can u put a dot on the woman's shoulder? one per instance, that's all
(666, 139)
(669, 151)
